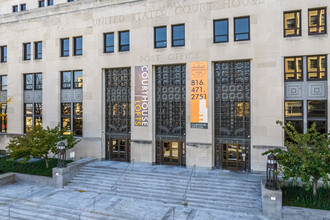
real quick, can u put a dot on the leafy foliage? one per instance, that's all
(39, 142)
(298, 196)
(307, 156)
(34, 168)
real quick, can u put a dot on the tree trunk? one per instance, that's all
(47, 162)
(315, 186)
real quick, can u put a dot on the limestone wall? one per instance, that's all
(92, 18)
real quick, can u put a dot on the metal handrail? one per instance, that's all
(17, 198)
(193, 171)
(115, 185)
(89, 201)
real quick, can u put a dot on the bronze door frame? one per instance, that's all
(178, 163)
(118, 156)
(227, 161)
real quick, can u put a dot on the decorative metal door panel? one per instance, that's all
(118, 112)
(232, 113)
(170, 108)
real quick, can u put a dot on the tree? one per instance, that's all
(39, 142)
(306, 156)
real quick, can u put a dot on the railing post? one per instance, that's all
(94, 201)
(32, 190)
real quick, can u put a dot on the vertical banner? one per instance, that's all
(141, 117)
(198, 95)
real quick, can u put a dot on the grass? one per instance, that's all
(33, 168)
(300, 197)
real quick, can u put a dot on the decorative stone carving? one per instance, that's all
(38, 96)
(77, 95)
(66, 95)
(3, 96)
(294, 90)
(28, 96)
(317, 90)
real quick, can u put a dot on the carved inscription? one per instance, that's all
(239, 3)
(172, 8)
(171, 57)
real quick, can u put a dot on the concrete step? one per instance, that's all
(214, 178)
(171, 181)
(161, 183)
(247, 193)
(169, 199)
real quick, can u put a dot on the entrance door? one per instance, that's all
(118, 150)
(171, 152)
(232, 115)
(170, 114)
(233, 156)
(118, 114)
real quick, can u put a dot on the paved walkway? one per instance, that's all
(72, 201)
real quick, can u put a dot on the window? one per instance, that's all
(50, 2)
(242, 28)
(77, 46)
(38, 114)
(3, 117)
(66, 80)
(28, 117)
(23, 7)
(3, 54)
(37, 81)
(33, 81)
(317, 109)
(71, 111)
(71, 118)
(317, 113)
(293, 68)
(67, 76)
(77, 118)
(41, 3)
(65, 50)
(15, 8)
(220, 29)
(294, 109)
(32, 115)
(317, 21)
(70, 0)
(294, 115)
(160, 37)
(292, 24)
(178, 35)
(317, 67)
(78, 79)
(109, 42)
(66, 117)
(32, 110)
(38, 50)
(27, 51)
(3, 83)
(28, 82)
(124, 41)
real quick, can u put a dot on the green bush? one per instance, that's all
(33, 168)
(300, 197)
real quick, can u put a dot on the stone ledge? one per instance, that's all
(61, 176)
(298, 213)
(7, 178)
(267, 147)
(271, 202)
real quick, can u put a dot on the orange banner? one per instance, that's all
(198, 93)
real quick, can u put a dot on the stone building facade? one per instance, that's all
(174, 82)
